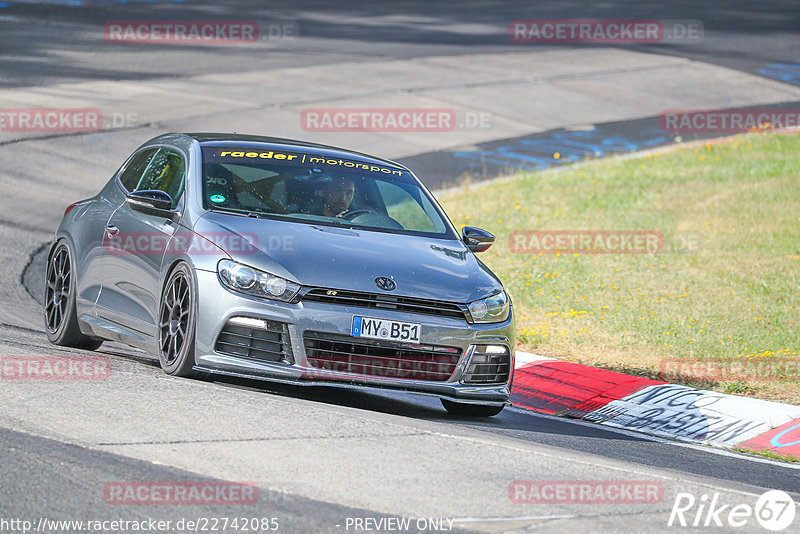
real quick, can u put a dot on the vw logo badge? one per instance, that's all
(387, 284)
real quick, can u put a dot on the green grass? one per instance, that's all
(740, 387)
(725, 286)
(766, 453)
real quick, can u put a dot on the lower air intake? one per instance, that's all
(489, 364)
(255, 339)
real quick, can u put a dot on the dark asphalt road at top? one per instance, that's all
(56, 43)
(52, 43)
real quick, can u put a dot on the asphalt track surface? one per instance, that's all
(737, 35)
(319, 455)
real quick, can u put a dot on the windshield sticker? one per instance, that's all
(262, 155)
(217, 198)
(316, 160)
(306, 160)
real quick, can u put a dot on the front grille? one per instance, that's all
(255, 339)
(489, 364)
(346, 354)
(385, 302)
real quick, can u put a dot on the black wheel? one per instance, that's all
(176, 323)
(471, 410)
(60, 315)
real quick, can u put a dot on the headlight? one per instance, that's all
(492, 309)
(244, 279)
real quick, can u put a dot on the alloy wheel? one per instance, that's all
(174, 317)
(57, 289)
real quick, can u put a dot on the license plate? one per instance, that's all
(382, 329)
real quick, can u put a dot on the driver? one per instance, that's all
(337, 195)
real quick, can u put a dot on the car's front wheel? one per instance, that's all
(176, 327)
(60, 314)
(471, 410)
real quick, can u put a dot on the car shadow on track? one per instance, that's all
(424, 407)
(511, 421)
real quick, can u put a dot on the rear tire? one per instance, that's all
(60, 313)
(176, 323)
(471, 410)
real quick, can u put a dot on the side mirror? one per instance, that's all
(477, 240)
(152, 202)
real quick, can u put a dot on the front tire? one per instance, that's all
(60, 313)
(471, 410)
(176, 323)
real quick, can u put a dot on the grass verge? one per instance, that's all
(766, 453)
(716, 307)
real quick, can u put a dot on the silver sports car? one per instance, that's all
(286, 261)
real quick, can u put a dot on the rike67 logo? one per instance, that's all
(774, 510)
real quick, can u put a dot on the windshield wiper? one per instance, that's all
(329, 221)
(234, 211)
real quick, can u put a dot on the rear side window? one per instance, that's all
(165, 172)
(135, 168)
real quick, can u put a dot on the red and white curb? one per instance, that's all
(565, 389)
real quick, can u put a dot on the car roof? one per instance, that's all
(281, 143)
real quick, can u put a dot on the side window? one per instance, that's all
(412, 213)
(133, 171)
(166, 172)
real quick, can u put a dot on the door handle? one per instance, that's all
(111, 230)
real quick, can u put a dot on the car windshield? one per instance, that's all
(317, 189)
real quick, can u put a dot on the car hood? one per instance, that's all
(341, 258)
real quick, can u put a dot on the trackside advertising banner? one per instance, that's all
(572, 390)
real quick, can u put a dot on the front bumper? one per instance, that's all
(217, 305)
